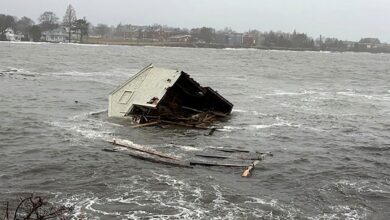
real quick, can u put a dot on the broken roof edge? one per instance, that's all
(220, 96)
(150, 66)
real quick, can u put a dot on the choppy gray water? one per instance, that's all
(325, 117)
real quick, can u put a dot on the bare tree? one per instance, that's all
(69, 19)
(48, 21)
(36, 208)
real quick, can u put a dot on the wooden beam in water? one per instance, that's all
(142, 149)
(150, 154)
(156, 159)
(233, 150)
(238, 156)
(146, 124)
(215, 163)
(247, 171)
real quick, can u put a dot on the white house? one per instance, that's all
(9, 34)
(58, 35)
(12, 36)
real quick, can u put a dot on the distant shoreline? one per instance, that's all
(198, 45)
(212, 45)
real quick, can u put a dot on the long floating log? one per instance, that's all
(239, 156)
(215, 163)
(123, 143)
(156, 159)
(149, 154)
(146, 124)
(233, 150)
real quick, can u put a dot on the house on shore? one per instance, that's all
(235, 39)
(248, 40)
(58, 35)
(180, 38)
(12, 36)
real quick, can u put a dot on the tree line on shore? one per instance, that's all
(156, 33)
(47, 21)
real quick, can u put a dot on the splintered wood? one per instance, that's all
(149, 154)
(201, 120)
(217, 157)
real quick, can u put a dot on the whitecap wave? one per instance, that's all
(184, 147)
(239, 110)
(283, 93)
(366, 96)
(343, 212)
(259, 126)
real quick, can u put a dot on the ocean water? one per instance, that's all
(324, 116)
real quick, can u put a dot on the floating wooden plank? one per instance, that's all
(146, 124)
(238, 156)
(216, 163)
(233, 150)
(212, 156)
(148, 154)
(123, 143)
(157, 159)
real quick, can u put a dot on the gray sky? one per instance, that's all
(344, 19)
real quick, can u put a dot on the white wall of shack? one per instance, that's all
(152, 82)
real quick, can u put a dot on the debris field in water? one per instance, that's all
(165, 97)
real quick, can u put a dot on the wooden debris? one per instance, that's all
(199, 119)
(124, 143)
(231, 158)
(247, 171)
(146, 124)
(212, 130)
(237, 156)
(216, 163)
(225, 158)
(150, 154)
(233, 150)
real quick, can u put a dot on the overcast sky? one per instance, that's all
(344, 19)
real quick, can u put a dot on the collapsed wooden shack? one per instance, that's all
(164, 96)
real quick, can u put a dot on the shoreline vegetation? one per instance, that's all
(73, 30)
(121, 42)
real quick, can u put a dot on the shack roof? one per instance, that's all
(146, 88)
